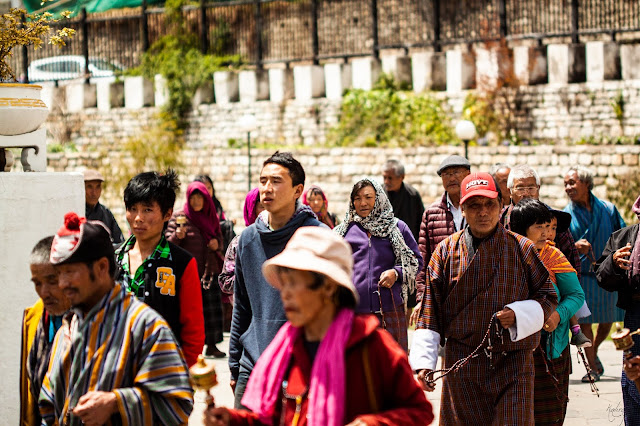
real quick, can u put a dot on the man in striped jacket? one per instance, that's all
(483, 278)
(114, 360)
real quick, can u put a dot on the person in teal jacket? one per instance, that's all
(552, 358)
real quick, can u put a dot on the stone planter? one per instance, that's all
(21, 109)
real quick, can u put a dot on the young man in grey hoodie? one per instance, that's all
(257, 309)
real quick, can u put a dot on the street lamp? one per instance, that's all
(248, 123)
(466, 131)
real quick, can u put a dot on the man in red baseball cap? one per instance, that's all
(483, 278)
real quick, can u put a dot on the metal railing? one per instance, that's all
(270, 31)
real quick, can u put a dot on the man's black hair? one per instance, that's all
(112, 267)
(148, 187)
(286, 160)
(528, 212)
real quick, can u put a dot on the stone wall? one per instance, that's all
(337, 169)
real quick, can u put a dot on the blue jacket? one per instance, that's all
(371, 257)
(257, 311)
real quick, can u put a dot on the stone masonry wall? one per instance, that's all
(337, 169)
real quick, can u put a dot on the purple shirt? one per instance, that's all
(371, 257)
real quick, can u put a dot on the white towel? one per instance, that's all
(424, 349)
(529, 319)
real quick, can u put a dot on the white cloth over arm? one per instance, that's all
(529, 319)
(424, 349)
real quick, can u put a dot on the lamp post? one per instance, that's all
(466, 131)
(247, 124)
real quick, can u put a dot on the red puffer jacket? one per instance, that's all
(389, 396)
(437, 224)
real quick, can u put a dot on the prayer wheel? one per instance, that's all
(623, 341)
(203, 377)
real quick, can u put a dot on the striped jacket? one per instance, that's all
(123, 346)
(465, 291)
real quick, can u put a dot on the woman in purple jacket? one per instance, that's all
(385, 255)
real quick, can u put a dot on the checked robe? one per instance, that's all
(465, 287)
(124, 346)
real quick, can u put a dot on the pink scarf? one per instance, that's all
(327, 387)
(206, 220)
(323, 214)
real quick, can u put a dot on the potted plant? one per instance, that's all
(21, 110)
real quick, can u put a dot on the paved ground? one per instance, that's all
(584, 409)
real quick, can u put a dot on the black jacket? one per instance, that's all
(612, 278)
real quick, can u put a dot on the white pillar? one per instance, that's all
(337, 79)
(530, 64)
(254, 86)
(308, 81)
(428, 71)
(225, 87)
(138, 92)
(398, 66)
(460, 71)
(280, 84)
(566, 63)
(80, 96)
(603, 61)
(364, 72)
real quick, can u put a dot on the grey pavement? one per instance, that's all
(584, 409)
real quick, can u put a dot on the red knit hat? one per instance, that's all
(80, 240)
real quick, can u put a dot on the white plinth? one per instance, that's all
(280, 84)
(32, 206)
(461, 70)
(138, 92)
(365, 73)
(337, 79)
(225, 86)
(603, 61)
(630, 61)
(428, 71)
(530, 64)
(204, 94)
(398, 66)
(308, 81)
(80, 96)
(110, 94)
(160, 90)
(566, 63)
(254, 86)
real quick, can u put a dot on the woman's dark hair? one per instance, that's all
(357, 187)
(316, 191)
(527, 212)
(148, 187)
(286, 160)
(206, 179)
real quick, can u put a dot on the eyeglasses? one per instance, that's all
(525, 190)
(457, 173)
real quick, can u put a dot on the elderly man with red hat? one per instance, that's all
(114, 359)
(487, 290)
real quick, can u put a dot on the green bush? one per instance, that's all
(387, 117)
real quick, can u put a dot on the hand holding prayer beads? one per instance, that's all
(203, 377)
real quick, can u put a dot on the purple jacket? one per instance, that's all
(371, 257)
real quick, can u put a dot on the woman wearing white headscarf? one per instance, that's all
(385, 254)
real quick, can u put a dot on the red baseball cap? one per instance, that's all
(478, 185)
